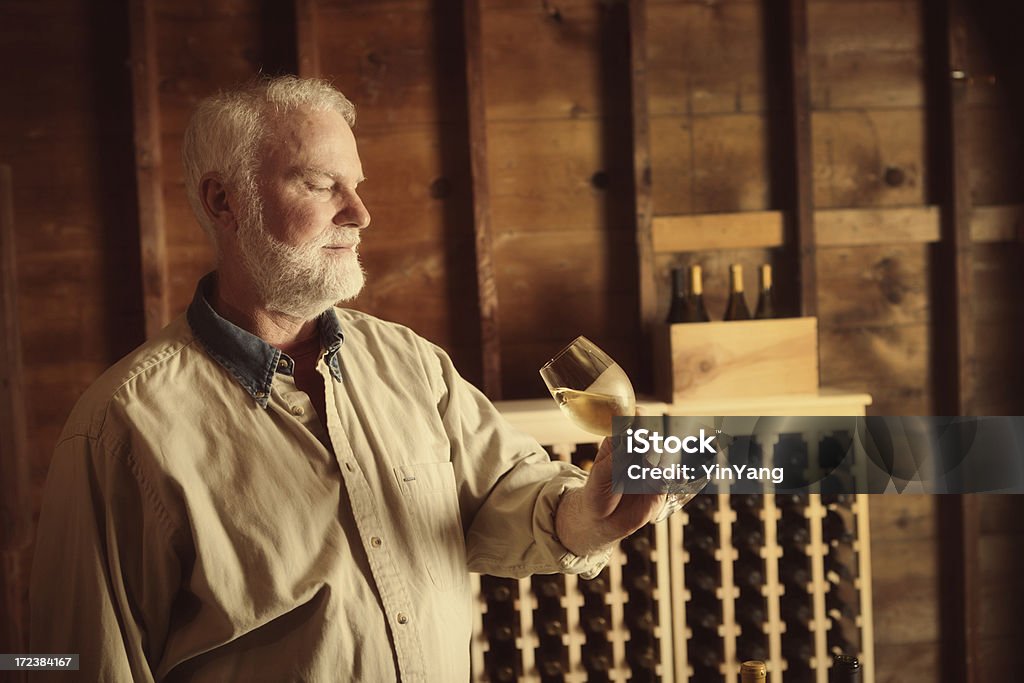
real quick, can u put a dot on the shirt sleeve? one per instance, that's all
(509, 488)
(104, 573)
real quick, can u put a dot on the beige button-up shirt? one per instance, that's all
(198, 523)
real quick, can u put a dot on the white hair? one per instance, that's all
(226, 130)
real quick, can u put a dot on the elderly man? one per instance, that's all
(278, 489)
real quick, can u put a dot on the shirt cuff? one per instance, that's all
(586, 566)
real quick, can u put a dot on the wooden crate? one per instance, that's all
(736, 358)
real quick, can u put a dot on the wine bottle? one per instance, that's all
(643, 621)
(638, 545)
(501, 633)
(549, 586)
(845, 669)
(597, 662)
(680, 311)
(552, 628)
(737, 308)
(796, 613)
(505, 674)
(699, 312)
(498, 593)
(794, 535)
(596, 623)
(701, 536)
(753, 671)
(797, 650)
(747, 536)
(837, 609)
(596, 586)
(701, 579)
(834, 529)
(795, 572)
(837, 642)
(751, 615)
(703, 615)
(765, 299)
(748, 574)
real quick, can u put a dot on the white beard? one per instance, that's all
(301, 281)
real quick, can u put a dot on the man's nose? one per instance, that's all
(352, 213)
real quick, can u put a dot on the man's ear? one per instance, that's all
(213, 194)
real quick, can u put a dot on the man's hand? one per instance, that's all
(591, 518)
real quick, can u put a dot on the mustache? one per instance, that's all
(346, 236)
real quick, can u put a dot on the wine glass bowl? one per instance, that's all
(589, 387)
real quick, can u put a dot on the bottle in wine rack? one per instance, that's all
(795, 571)
(702, 506)
(639, 583)
(752, 646)
(834, 529)
(701, 578)
(701, 536)
(638, 545)
(793, 533)
(505, 674)
(751, 614)
(838, 609)
(498, 632)
(837, 641)
(643, 660)
(737, 306)
(791, 501)
(597, 662)
(754, 671)
(747, 535)
(836, 572)
(703, 613)
(596, 586)
(765, 298)
(595, 624)
(845, 669)
(748, 574)
(798, 650)
(548, 586)
(497, 591)
(641, 620)
(836, 501)
(797, 613)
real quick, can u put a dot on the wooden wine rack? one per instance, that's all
(667, 566)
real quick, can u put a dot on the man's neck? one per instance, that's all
(232, 303)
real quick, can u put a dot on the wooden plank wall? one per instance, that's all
(556, 110)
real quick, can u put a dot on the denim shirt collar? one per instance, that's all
(250, 360)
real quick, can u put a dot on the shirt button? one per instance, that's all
(402, 618)
(298, 411)
(260, 394)
(282, 363)
(376, 542)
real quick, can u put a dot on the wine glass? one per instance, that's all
(591, 389)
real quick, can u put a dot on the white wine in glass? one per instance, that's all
(591, 389)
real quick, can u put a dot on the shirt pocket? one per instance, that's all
(435, 523)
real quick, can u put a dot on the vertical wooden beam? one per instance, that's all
(959, 516)
(642, 161)
(15, 503)
(959, 208)
(308, 40)
(149, 165)
(486, 285)
(799, 121)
